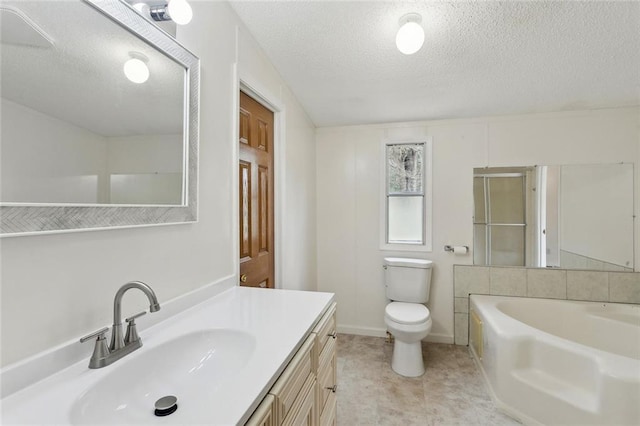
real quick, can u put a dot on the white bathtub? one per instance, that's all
(557, 361)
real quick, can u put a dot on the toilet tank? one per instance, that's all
(407, 280)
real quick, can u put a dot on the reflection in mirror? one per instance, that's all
(83, 145)
(75, 129)
(570, 216)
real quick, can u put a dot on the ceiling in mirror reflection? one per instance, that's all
(64, 59)
(569, 216)
(76, 129)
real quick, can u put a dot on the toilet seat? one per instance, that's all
(407, 313)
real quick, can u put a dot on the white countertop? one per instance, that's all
(279, 320)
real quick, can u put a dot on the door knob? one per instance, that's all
(243, 278)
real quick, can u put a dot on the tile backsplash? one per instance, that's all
(595, 286)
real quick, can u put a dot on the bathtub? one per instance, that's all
(558, 361)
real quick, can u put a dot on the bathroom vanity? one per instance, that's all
(244, 356)
(304, 394)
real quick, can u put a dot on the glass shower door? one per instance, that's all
(499, 219)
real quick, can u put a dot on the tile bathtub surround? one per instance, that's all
(546, 283)
(469, 280)
(587, 285)
(461, 304)
(451, 392)
(594, 286)
(508, 281)
(461, 328)
(624, 287)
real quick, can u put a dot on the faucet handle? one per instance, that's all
(132, 332)
(100, 350)
(131, 320)
(99, 334)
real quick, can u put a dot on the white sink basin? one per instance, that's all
(193, 367)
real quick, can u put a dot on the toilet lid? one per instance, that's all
(407, 313)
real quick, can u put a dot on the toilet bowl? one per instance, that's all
(409, 323)
(407, 283)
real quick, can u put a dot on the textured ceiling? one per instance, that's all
(479, 58)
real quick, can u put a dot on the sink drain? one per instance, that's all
(166, 405)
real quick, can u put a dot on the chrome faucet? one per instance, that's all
(117, 341)
(104, 355)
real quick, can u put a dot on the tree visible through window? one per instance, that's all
(405, 175)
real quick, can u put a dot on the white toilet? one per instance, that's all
(407, 282)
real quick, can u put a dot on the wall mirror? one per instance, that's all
(99, 119)
(568, 216)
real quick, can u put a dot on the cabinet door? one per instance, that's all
(264, 414)
(288, 389)
(306, 414)
(328, 416)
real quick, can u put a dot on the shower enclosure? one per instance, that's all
(503, 211)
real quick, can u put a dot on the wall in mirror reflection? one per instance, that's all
(48, 160)
(569, 216)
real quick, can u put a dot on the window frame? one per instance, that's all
(427, 189)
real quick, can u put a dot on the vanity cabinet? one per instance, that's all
(304, 394)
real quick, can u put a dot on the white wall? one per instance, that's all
(71, 170)
(299, 213)
(348, 158)
(55, 288)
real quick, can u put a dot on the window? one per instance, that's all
(407, 196)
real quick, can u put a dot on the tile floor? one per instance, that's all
(451, 392)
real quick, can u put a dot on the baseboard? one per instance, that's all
(439, 338)
(382, 332)
(362, 331)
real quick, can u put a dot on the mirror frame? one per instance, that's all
(27, 219)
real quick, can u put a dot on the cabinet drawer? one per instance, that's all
(325, 328)
(327, 354)
(292, 380)
(328, 415)
(264, 415)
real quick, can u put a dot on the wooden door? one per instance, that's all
(256, 194)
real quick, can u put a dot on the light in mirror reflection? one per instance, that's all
(136, 68)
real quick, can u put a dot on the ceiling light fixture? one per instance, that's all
(178, 11)
(410, 37)
(136, 68)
